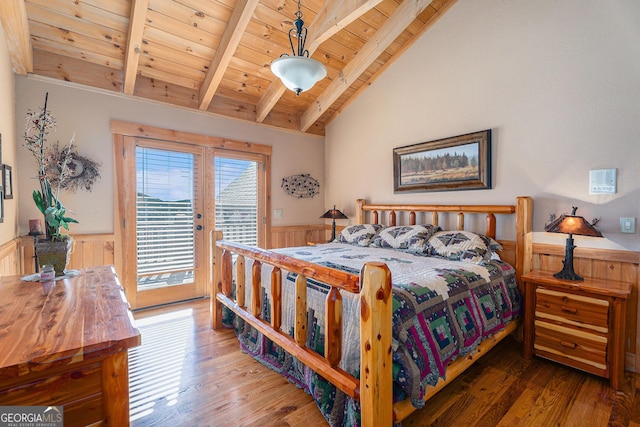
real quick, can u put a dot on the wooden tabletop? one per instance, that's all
(62, 322)
(612, 288)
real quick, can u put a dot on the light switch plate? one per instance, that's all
(628, 225)
(277, 213)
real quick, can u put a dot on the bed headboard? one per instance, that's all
(523, 209)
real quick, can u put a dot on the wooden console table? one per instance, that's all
(65, 343)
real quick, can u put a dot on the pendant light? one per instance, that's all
(297, 71)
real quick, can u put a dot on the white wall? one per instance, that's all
(88, 113)
(558, 82)
(9, 226)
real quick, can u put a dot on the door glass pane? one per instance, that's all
(237, 200)
(164, 217)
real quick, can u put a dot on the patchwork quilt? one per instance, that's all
(442, 309)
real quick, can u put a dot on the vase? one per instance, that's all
(54, 253)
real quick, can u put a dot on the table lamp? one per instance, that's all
(333, 214)
(571, 224)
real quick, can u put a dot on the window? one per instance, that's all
(236, 189)
(164, 217)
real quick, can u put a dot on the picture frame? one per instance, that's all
(1, 204)
(7, 181)
(460, 162)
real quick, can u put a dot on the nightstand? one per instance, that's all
(577, 323)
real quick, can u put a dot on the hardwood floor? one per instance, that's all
(186, 374)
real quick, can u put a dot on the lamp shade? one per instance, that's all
(334, 214)
(298, 73)
(572, 224)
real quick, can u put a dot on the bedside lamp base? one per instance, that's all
(567, 272)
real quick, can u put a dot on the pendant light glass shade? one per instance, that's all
(298, 73)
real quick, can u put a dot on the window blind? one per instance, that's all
(164, 214)
(236, 189)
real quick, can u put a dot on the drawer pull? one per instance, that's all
(568, 309)
(568, 344)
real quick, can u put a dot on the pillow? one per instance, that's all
(412, 238)
(361, 234)
(493, 245)
(462, 246)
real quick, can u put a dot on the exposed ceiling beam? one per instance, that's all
(334, 16)
(404, 15)
(242, 13)
(134, 44)
(444, 8)
(13, 15)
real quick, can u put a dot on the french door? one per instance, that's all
(166, 217)
(173, 190)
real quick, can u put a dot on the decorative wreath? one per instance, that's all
(301, 186)
(79, 171)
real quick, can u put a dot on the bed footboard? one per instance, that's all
(374, 389)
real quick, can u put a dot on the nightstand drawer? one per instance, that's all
(580, 345)
(589, 312)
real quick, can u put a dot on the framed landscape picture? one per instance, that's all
(457, 163)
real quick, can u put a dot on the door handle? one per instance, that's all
(198, 227)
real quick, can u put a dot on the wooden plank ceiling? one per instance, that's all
(214, 55)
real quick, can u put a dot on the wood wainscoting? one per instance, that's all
(91, 250)
(11, 258)
(298, 235)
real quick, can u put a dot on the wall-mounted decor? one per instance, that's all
(79, 173)
(301, 186)
(458, 163)
(1, 204)
(7, 181)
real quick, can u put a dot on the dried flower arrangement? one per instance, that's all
(39, 124)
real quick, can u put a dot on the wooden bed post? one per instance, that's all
(216, 307)
(524, 227)
(360, 215)
(376, 376)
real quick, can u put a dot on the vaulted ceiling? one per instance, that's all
(214, 55)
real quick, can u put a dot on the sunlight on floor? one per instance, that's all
(155, 369)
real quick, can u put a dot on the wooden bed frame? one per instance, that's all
(374, 389)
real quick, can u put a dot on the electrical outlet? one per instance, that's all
(628, 225)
